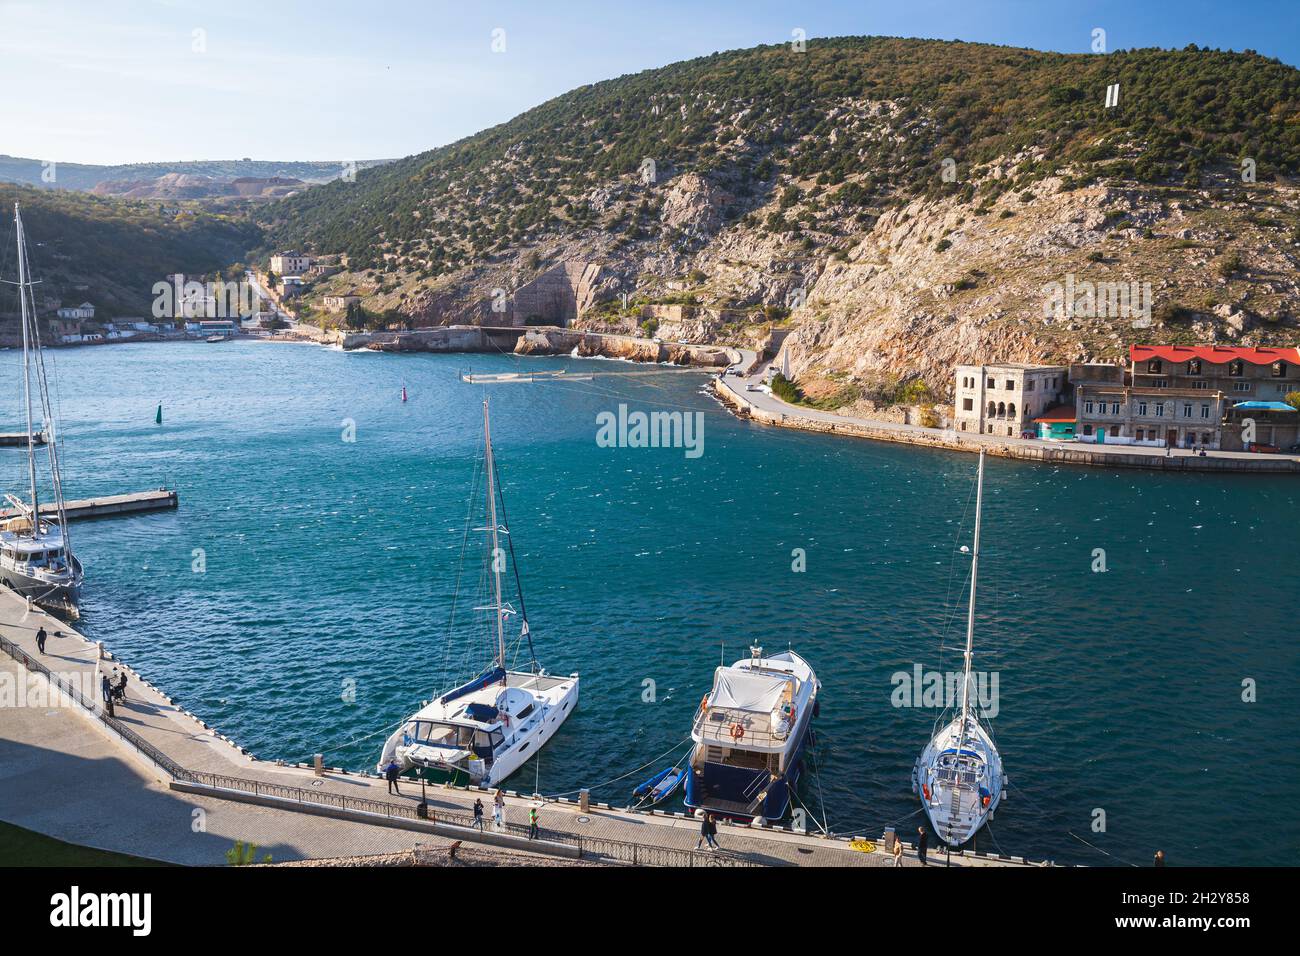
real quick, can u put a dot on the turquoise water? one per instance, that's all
(330, 562)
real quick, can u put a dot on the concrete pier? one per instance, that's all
(186, 765)
(18, 439)
(160, 499)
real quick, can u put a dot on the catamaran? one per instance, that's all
(36, 558)
(487, 728)
(959, 775)
(749, 735)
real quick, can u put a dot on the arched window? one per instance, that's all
(1236, 367)
(1002, 410)
(993, 409)
(1011, 410)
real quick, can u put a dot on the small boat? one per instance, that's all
(659, 787)
(959, 775)
(36, 558)
(490, 726)
(750, 732)
(212, 339)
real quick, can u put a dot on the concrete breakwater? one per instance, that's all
(524, 340)
(1030, 450)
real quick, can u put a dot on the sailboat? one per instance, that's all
(488, 727)
(36, 558)
(959, 775)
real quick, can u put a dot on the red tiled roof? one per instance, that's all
(1217, 354)
(1059, 413)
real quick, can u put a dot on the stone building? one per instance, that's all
(1185, 396)
(1005, 399)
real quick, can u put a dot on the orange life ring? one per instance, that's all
(737, 732)
(925, 790)
(987, 800)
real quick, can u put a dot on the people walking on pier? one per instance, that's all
(106, 688)
(499, 810)
(898, 852)
(40, 640)
(121, 688)
(532, 822)
(390, 774)
(708, 833)
(478, 815)
(922, 838)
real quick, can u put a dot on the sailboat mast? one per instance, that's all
(970, 611)
(27, 371)
(493, 536)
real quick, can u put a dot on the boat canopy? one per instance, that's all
(740, 690)
(484, 713)
(483, 680)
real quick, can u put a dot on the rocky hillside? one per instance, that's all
(900, 204)
(189, 186)
(85, 177)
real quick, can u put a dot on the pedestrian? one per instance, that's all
(121, 688)
(40, 640)
(708, 833)
(1169, 450)
(922, 838)
(532, 822)
(390, 774)
(478, 815)
(898, 852)
(106, 688)
(1160, 858)
(499, 810)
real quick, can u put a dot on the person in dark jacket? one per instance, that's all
(478, 814)
(106, 688)
(922, 839)
(708, 833)
(390, 774)
(40, 640)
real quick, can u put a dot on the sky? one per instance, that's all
(116, 81)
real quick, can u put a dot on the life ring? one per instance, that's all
(925, 790)
(704, 704)
(737, 732)
(987, 800)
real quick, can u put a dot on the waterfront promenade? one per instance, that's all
(763, 406)
(134, 785)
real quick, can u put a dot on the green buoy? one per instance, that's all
(157, 419)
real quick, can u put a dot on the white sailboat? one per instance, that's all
(36, 558)
(959, 775)
(487, 728)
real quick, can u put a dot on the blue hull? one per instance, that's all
(719, 788)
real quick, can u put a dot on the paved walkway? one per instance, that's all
(738, 386)
(57, 767)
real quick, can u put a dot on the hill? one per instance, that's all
(901, 202)
(84, 177)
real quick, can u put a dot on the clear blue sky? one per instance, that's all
(110, 81)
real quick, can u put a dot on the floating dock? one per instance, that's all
(18, 439)
(160, 499)
(296, 807)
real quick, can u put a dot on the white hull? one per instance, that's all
(959, 791)
(447, 736)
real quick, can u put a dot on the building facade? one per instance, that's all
(1005, 399)
(290, 263)
(340, 303)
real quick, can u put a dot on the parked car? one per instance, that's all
(1262, 449)
(1293, 449)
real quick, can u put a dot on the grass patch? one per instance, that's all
(19, 847)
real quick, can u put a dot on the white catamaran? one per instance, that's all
(36, 557)
(959, 774)
(486, 729)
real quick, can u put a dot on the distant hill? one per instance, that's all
(79, 176)
(110, 252)
(192, 186)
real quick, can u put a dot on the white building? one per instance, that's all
(290, 263)
(1005, 399)
(77, 312)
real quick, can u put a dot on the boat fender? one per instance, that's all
(737, 732)
(925, 790)
(704, 704)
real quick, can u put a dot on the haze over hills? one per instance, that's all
(813, 182)
(83, 177)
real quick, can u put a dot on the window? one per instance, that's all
(1200, 385)
(1142, 408)
(1114, 408)
(1194, 367)
(1205, 411)
(1160, 409)
(967, 404)
(1236, 368)
(992, 384)
(1160, 383)
(993, 409)
(1241, 386)
(1011, 385)
(1205, 438)
(1187, 409)
(1279, 370)
(1029, 385)
(1002, 410)
(1154, 367)
(1011, 410)
(1087, 407)
(1087, 429)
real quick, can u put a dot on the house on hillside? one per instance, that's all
(290, 263)
(341, 301)
(77, 313)
(1005, 399)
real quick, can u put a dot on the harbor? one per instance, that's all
(105, 506)
(178, 752)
